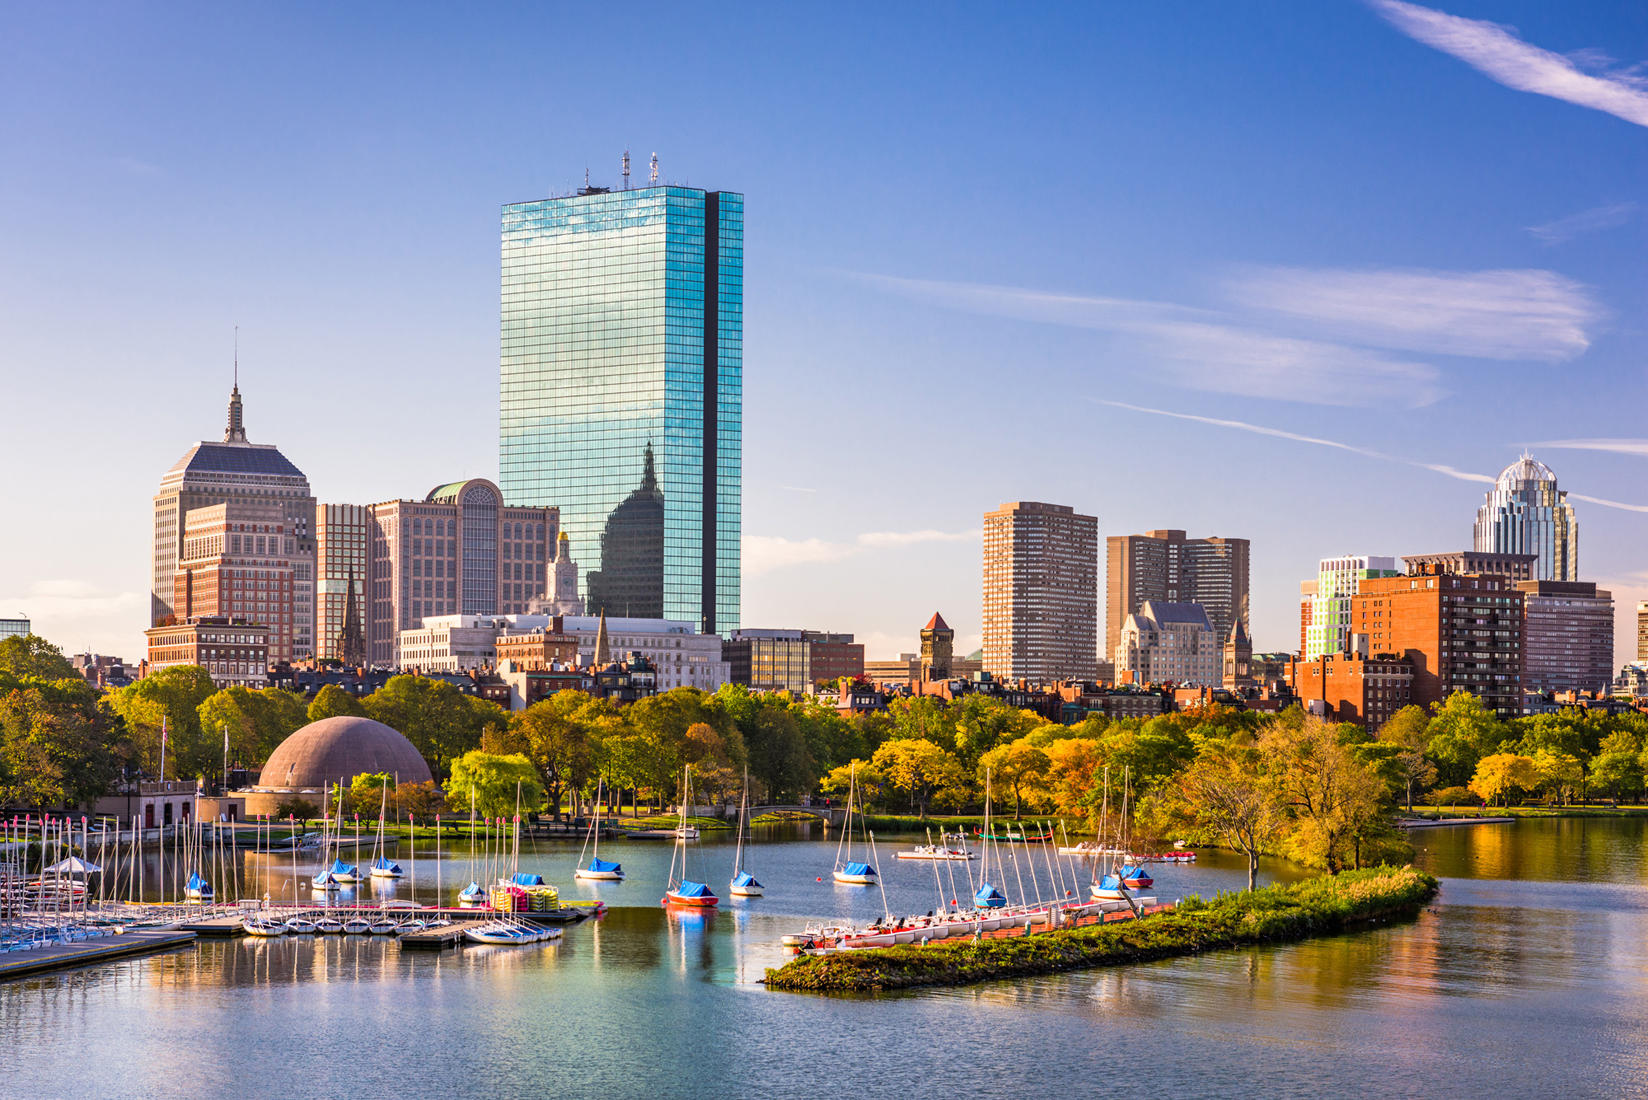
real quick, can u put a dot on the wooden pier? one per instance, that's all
(17, 964)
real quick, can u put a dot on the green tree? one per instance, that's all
(441, 722)
(982, 722)
(496, 783)
(558, 743)
(31, 655)
(256, 722)
(299, 809)
(1018, 764)
(332, 701)
(1334, 797)
(171, 696)
(1561, 775)
(1618, 767)
(1462, 732)
(1409, 728)
(59, 743)
(1225, 794)
(872, 784)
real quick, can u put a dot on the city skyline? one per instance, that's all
(1390, 285)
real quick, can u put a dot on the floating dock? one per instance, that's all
(17, 964)
(230, 925)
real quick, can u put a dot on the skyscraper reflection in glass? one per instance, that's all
(618, 402)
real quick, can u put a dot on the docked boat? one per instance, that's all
(471, 896)
(409, 925)
(324, 883)
(357, 926)
(598, 870)
(682, 890)
(385, 868)
(848, 871)
(303, 926)
(342, 872)
(328, 926)
(267, 927)
(693, 894)
(944, 851)
(383, 926)
(744, 884)
(198, 889)
(1136, 877)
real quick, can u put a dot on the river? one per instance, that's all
(1526, 977)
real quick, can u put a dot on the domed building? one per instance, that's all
(332, 751)
(1527, 514)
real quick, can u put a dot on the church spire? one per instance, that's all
(649, 478)
(603, 655)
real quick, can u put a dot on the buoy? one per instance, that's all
(820, 878)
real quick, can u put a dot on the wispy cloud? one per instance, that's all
(1610, 503)
(766, 553)
(1637, 447)
(1199, 348)
(1586, 221)
(797, 489)
(1523, 315)
(1495, 50)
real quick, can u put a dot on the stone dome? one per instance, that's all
(338, 749)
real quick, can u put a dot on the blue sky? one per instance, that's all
(981, 245)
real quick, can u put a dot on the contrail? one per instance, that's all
(1434, 467)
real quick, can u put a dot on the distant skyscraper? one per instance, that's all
(240, 473)
(1166, 566)
(342, 539)
(621, 394)
(1041, 593)
(1327, 600)
(1527, 514)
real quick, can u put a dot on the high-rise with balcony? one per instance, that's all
(1041, 594)
(1168, 567)
(622, 391)
(1527, 514)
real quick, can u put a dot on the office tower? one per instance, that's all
(238, 563)
(1459, 633)
(19, 625)
(770, 660)
(240, 473)
(1326, 616)
(1513, 567)
(458, 551)
(1568, 640)
(1041, 606)
(342, 536)
(1527, 514)
(1642, 631)
(621, 395)
(1166, 566)
(1168, 643)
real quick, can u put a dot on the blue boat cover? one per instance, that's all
(1110, 882)
(473, 890)
(339, 867)
(858, 869)
(523, 879)
(989, 897)
(1131, 873)
(693, 890)
(197, 883)
(745, 879)
(598, 864)
(380, 864)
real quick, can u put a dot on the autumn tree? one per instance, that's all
(917, 767)
(1018, 764)
(29, 655)
(1225, 793)
(1333, 796)
(1500, 774)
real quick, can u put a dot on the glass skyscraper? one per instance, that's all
(1527, 514)
(621, 397)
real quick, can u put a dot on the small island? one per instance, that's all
(1317, 907)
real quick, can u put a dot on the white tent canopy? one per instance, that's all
(74, 865)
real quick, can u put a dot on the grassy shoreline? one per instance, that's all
(1280, 914)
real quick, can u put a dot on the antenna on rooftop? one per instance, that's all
(237, 357)
(655, 169)
(626, 169)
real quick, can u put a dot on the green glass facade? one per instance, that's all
(621, 397)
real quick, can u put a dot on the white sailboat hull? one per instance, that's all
(598, 876)
(854, 880)
(745, 891)
(383, 872)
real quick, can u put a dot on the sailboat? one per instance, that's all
(682, 890)
(382, 867)
(848, 872)
(987, 896)
(744, 884)
(198, 888)
(599, 869)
